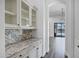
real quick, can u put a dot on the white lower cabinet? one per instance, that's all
(40, 49)
(36, 51)
(33, 51)
(22, 54)
(76, 49)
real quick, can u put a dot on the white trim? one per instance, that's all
(48, 26)
(43, 40)
(2, 28)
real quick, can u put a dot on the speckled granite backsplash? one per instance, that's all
(13, 36)
(26, 34)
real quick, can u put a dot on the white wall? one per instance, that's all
(2, 36)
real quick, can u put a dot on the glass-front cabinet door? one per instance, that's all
(33, 18)
(24, 14)
(10, 13)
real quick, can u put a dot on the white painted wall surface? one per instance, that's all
(2, 23)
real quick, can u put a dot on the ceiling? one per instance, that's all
(56, 8)
(62, 1)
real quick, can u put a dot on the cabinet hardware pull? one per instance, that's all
(18, 24)
(20, 55)
(78, 46)
(27, 56)
(37, 48)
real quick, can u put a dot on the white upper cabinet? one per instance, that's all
(19, 13)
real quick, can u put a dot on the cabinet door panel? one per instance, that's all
(76, 52)
(39, 50)
(32, 53)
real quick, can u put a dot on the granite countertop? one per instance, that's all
(14, 48)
